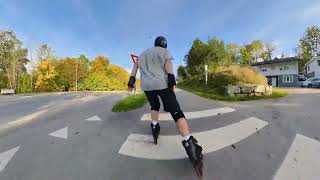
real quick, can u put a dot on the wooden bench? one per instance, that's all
(7, 91)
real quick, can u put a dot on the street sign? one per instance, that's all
(134, 58)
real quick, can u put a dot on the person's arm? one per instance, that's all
(134, 70)
(132, 80)
(169, 68)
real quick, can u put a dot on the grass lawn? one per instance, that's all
(213, 94)
(130, 103)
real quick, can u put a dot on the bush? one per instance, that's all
(245, 75)
(101, 82)
(232, 75)
(130, 103)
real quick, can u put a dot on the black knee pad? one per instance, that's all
(176, 115)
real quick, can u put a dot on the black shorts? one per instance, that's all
(168, 97)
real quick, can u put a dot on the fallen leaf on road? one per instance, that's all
(269, 155)
(233, 146)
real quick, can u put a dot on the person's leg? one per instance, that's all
(172, 106)
(190, 144)
(155, 106)
(155, 117)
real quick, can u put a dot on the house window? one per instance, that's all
(308, 68)
(288, 78)
(318, 62)
(286, 67)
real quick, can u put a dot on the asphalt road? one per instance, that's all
(75, 136)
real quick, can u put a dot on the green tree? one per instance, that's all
(309, 45)
(217, 54)
(182, 73)
(24, 83)
(13, 59)
(195, 58)
(252, 52)
(234, 52)
(267, 54)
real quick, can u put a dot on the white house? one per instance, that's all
(312, 67)
(279, 72)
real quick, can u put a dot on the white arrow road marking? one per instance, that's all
(170, 147)
(302, 161)
(191, 115)
(6, 156)
(94, 118)
(61, 133)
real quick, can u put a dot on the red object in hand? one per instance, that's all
(134, 58)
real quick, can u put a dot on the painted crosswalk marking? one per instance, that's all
(6, 156)
(302, 161)
(61, 133)
(191, 115)
(170, 147)
(94, 118)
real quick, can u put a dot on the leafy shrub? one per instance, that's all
(245, 75)
(101, 82)
(232, 75)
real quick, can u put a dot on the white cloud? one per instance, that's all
(312, 11)
(263, 33)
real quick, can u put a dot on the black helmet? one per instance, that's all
(161, 42)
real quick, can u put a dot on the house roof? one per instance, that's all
(276, 60)
(313, 59)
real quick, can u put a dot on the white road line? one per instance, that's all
(170, 147)
(23, 120)
(27, 118)
(94, 118)
(191, 115)
(6, 156)
(302, 161)
(61, 133)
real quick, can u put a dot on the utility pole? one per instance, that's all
(31, 70)
(206, 69)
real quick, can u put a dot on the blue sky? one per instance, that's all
(117, 28)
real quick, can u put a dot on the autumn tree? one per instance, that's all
(44, 52)
(309, 45)
(70, 70)
(100, 64)
(47, 76)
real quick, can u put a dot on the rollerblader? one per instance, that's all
(158, 80)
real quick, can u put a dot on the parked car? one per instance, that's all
(315, 82)
(306, 82)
